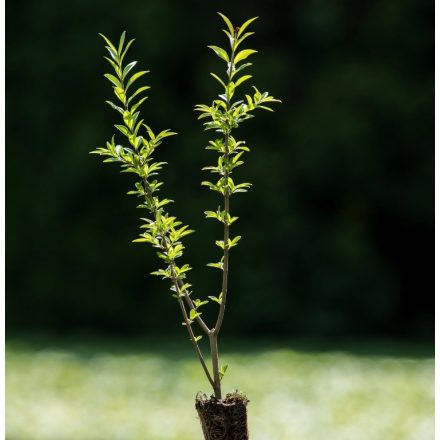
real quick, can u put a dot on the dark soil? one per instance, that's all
(224, 419)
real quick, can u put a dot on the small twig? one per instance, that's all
(191, 333)
(191, 306)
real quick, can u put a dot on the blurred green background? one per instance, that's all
(94, 388)
(337, 229)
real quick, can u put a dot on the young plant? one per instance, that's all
(135, 154)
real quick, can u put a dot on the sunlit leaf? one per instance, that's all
(245, 25)
(113, 80)
(242, 80)
(220, 52)
(243, 54)
(121, 43)
(218, 79)
(136, 76)
(228, 23)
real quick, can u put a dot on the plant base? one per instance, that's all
(224, 419)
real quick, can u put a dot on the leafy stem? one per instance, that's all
(164, 232)
(223, 116)
(221, 312)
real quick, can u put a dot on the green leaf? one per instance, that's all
(217, 145)
(123, 129)
(228, 22)
(119, 92)
(198, 303)
(243, 54)
(185, 289)
(222, 371)
(197, 338)
(180, 233)
(218, 79)
(115, 107)
(121, 58)
(180, 271)
(163, 256)
(127, 69)
(113, 80)
(220, 244)
(164, 134)
(220, 52)
(112, 54)
(163, 202)
(242, 80)
(240, 40)
(121, 43)
(216, 265)
(245, 25)
(143, 240)
(136, 76)
(193, 314)
(242, 187)
(243, 66)
(139, 90)
(237, 157)
(110, 44)
(212, 186)
(230, 91)
(216, 299)
(113, 64)
(162, 273)
(136, 106)
(212, 214)
(234, 241)
(230, 37)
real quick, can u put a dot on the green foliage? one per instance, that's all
(163, 232)
(136, 155)
(224, 115)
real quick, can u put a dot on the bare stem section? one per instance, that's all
(215, 366)
(193, 338)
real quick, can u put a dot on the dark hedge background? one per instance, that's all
(338, 228)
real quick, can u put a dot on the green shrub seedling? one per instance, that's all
(136, 155)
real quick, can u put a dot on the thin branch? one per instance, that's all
(191, 333)
(221, 312)
(191, 306)
(215, 370)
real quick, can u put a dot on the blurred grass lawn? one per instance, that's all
(68, 389)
